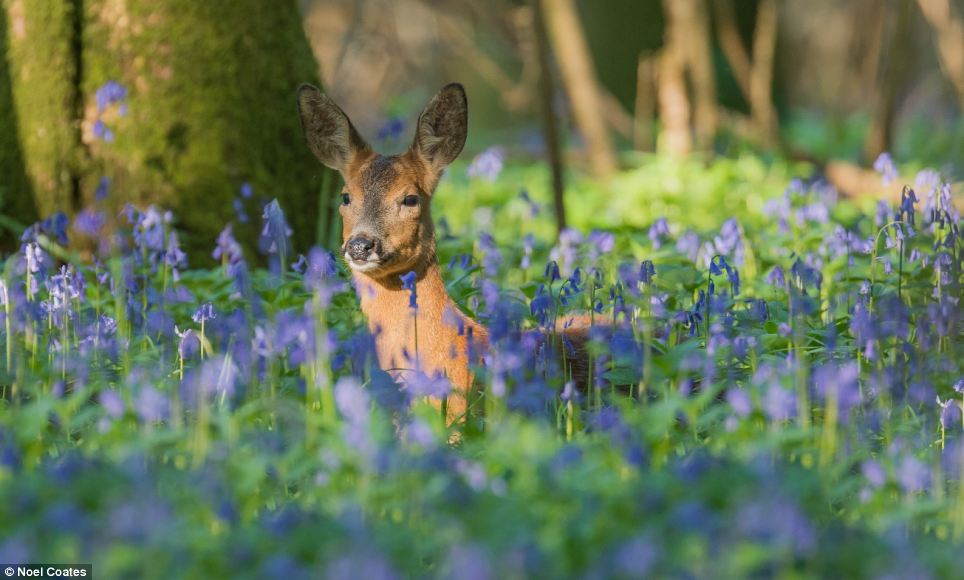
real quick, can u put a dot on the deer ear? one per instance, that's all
(442, 127)
(328, 131)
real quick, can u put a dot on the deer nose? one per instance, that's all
(359, 247)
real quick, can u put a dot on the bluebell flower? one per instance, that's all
(391, 130)
(950, 413)
(779, 404)
(776, 277)
(409, 283)
(534, 208)
(739, 401)
(552, 272)
(239, 210)
(491, 256)
(89, 222)
(108, 94)
(228, 250)
(103, 188)
(488, 164)
(246, 190)
(103, 132)
(419, 384)
(874, 473)
(528, 245)
(647, 271)
(151, 406)
(541, 305)
(275, 234)
(204, 313)
(566, 251)
(658, 232)
(884, 165)
(912, 474)
(689, 245)
(907, 200)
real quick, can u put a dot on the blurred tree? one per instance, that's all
(949, 40)
(40, 75)
(579, 77)
(209, 108)
(891, 75)
(16, 196)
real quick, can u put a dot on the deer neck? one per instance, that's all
(434, 337)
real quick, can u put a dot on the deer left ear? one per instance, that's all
(442, 127)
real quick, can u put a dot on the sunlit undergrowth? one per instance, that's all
(794, 402)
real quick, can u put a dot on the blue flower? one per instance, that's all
(204, 313)
(103, 188)
(409, 283)
(658, 232)
(884, 165)
(108, 94)
(275, 233)
(487, 164)
(392, 129)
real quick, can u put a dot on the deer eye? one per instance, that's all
(410, 200)
(345, 200)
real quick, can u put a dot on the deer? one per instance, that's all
(388, 237)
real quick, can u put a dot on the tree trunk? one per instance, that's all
(761, 71)
(644, 103)
(16, 194)
(950, 40)
(42, 56)
(550, 125)
(579, 78)
(892, 68)
(674, 104)
(210, 106)
(688, 29)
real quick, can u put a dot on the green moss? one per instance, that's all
(16, 195)
(40, 57)
(211, 106)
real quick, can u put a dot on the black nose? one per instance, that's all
(359, 247)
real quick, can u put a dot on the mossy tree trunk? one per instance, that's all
(41, 78)
(16, 195)
(210, 106)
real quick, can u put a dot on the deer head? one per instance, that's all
(386, 201)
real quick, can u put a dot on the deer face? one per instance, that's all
(385, 204)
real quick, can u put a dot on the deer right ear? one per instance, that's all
(328, 131)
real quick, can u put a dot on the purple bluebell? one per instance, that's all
(689, 245)
(109, 93)
(488, 164)
(739, 401)
(566, 252)
(151, 406)
(420, 384)
(391, 130)
(409, 283)
(912, 474)
(204, 313)
(491, 256)
(89, 222)
(884, 165)
(103, 188)
(239, 211)
(275, 234)
(528, 245)
(874, 473)
(658, 233)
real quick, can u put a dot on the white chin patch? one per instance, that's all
(362, 266)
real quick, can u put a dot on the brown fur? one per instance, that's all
(376, 186)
